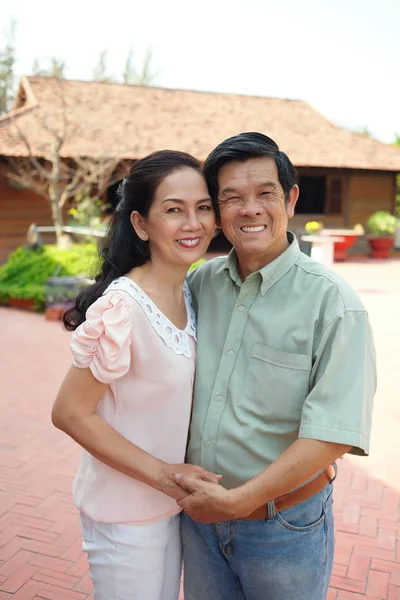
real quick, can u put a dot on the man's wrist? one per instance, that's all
(242, 502)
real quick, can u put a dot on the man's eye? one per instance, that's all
(265, 193)
(173, 209)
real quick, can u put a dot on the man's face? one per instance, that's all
(253, 212)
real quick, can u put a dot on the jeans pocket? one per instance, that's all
(304, 516)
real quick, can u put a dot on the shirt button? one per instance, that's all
(208, 444)
(220, 398)
(231, 352)
(241, 308)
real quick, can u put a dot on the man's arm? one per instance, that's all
(336, 418)
(209, 503)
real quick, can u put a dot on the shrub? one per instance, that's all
(381, 224)
(25, 273)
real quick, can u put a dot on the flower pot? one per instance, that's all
(54, 313)
(24, 303)
(380, 246)
(341, 247)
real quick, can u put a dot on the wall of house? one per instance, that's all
(365, 193)
(19, 208)
(362, 194)
(368, 193)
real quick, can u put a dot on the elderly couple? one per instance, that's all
(212, 407)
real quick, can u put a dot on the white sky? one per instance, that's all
(342, 56)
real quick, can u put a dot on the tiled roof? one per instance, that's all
(126, 121)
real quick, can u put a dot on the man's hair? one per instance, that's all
(242, 147)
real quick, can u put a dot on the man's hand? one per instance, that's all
(168, 483)
(206, 502)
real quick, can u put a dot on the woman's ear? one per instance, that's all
(139, 225)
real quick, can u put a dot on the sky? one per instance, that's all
(342, 56)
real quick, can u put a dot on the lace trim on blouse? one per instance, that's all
(176, 339)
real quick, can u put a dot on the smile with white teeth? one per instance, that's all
(253, 229)
(189, 243)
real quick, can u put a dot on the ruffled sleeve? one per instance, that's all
(102, 342)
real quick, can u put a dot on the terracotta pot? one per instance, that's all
(54, 313)
(380, 246)
(24, 303)
(340, 248)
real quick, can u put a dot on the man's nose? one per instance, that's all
(251, 208)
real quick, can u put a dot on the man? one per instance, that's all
(284, 386)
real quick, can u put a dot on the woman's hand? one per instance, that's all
(167, 480)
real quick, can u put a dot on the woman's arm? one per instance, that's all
(74, 412)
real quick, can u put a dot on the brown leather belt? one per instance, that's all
(297, 496)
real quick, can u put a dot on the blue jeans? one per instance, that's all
(288, 556)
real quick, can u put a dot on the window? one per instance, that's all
(312, 198)
(335, 196)
(320, 195)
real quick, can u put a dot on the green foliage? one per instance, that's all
(381, 224)
(145, 75)
(25, 273)
(7, 62)
(100, 72)
(397, 143)
(56, 68)
(88, 212)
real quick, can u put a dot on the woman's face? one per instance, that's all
(181, 221)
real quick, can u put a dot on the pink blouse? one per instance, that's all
(148, 364)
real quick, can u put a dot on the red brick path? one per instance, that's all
(40, 547)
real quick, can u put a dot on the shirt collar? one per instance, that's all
(272, 272)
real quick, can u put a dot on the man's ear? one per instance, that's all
(139, 225)
(292, 200)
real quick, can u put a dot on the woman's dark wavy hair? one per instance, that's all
(242, 147)
(122, 249)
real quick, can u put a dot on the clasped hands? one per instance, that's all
(198, 493)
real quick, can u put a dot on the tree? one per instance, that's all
(145, 76)
(397, 143)
(100, 71)
(7, 62)
(48, 173)
(56, 68)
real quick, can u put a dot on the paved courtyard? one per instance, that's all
(40, 547)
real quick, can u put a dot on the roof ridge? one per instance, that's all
(167, 89)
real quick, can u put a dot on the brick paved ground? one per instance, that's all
(40, 552)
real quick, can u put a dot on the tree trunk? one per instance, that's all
(56, 213)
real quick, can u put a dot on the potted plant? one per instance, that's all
(381, 228)
(345, 239)
(313, 227)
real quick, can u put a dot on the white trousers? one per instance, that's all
(129, 562)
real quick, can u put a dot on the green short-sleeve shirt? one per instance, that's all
(287, 353)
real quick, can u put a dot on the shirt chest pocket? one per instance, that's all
(276, 384)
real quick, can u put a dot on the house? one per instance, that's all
(344, 176)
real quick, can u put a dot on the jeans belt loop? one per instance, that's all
(271, 508)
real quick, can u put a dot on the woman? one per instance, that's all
(127, 397)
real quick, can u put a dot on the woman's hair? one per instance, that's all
(122, 249)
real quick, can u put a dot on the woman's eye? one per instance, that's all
(173, 209)
(205, 207)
